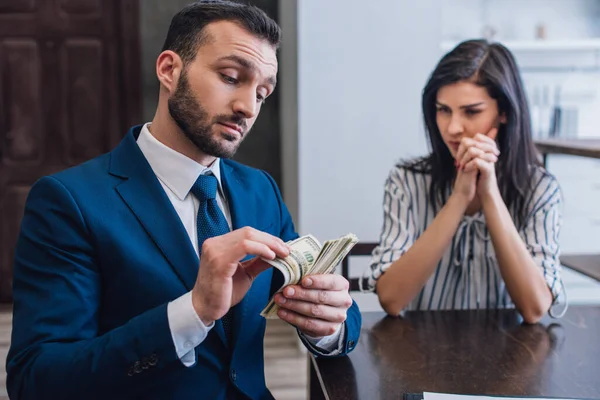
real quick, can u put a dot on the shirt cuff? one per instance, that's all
(187, 329)
(331, 345)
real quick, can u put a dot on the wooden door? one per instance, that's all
(69, 89)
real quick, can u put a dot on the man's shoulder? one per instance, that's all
(248, 173)
(85, 184)
(91, 172)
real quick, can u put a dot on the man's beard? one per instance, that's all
(193, 120)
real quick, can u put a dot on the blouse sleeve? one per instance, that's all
(541, 231)
(399, 229)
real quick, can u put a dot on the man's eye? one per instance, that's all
(229, 79)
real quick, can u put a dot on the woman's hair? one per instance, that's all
(492, 66)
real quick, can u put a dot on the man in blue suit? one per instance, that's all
(139, 274)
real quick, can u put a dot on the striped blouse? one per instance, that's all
(468, 275)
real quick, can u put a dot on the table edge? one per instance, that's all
(315, 366)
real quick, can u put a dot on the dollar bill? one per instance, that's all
(308, 257)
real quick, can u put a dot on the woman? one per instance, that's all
(475, 223)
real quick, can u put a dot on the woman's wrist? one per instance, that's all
(490, 196)
(459, 202)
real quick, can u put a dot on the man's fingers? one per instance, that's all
(255, 266)
(235, 246)
(309, 326)
(326, 281)
(317, 296)
(231, 251)
(312, 310)
(273, 242)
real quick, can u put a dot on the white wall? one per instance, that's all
(360, 73)
(517, 19)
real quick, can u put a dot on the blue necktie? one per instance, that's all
(211, 222)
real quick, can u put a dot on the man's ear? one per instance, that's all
(168, 69)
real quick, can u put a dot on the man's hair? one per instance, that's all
(187, 30)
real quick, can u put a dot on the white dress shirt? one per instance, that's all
(177, 173)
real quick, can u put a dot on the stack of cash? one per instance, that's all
(308, 257)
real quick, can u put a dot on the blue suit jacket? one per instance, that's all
(100, 254)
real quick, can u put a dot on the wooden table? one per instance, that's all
(587, 264)
(466, 352)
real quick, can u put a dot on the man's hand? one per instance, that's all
(223, 280)
(318, 307)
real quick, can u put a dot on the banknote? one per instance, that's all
(308, 257)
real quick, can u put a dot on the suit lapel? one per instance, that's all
(145, 197)
(241, 199)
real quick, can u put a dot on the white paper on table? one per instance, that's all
(444, 396)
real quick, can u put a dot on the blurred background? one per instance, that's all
(76, 74)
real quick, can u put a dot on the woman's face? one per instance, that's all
(464, 109)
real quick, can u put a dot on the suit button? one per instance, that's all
(152, 360)
(233, 374)
(351, 344)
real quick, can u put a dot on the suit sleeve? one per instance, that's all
(351, 331)
(57, 349)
